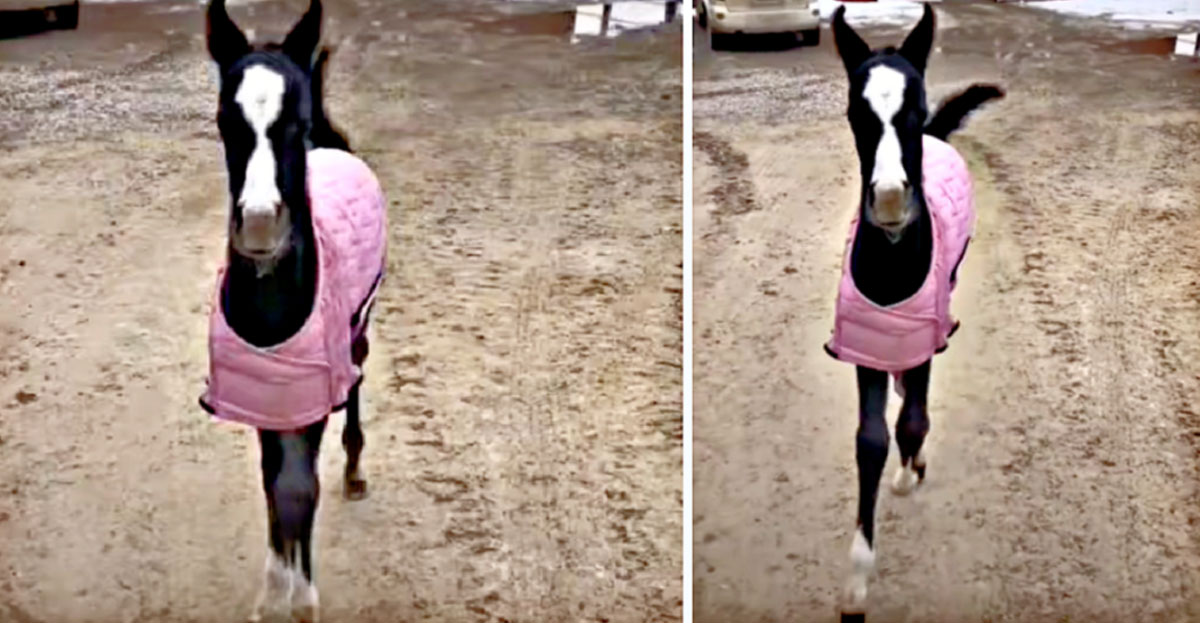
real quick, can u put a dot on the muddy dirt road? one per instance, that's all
(523, 392)
(1064, 446)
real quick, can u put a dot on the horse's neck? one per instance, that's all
(268, 309)
(886, 272)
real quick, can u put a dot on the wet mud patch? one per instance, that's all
(1158, 46)
(558, 24)
(734, 194)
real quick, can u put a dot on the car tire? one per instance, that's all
(811, 37)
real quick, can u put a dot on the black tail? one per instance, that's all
(323, 133)
(954, 110)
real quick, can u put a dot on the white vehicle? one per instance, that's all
(761, 17)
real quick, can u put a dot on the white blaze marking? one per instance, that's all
(884, 93)
(261, 97)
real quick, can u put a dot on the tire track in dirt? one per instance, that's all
(528, 299)
(761, 278)
(735, 194)
(1101, 333)
(84, 483)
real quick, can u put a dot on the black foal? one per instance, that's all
(893, 305)
(271, 117)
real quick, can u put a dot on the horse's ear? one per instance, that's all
(916, 47)
(301, 44)
(226, 43)
(853, 50)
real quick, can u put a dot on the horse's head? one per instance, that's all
(265, 115)
(887, 114)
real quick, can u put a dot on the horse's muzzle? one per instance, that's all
(890, 205)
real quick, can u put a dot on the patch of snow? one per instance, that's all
(634, 15)
(179, 6)
(625, 16)
(1131, 13)
(588, 20)
(883, 12)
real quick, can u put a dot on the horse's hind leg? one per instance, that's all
(307, 489)
(911, 428)
(871, 453)
(355, 486)
(352, 441)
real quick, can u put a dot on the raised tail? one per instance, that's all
(955, 109)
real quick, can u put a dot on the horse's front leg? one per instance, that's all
(911, 428)
(290, 481)
(276, 592)
(871, 450)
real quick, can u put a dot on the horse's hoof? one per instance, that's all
(355, 489)
(306, 605)
(306, 614)
(854, 600)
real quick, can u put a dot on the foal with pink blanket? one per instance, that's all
(916, 216)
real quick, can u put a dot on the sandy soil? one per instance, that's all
(1065, 449)
(523, 393)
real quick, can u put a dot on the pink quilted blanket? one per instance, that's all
(298, 382)
(905, 335)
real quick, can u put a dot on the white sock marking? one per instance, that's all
(862, 558)
(861, 553)
(906, 478)
(306, 602)
(276, 593)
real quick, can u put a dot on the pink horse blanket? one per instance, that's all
(296, 383)
(904, 335)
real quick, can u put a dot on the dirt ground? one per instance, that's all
(523, 413)
(1064, 456)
